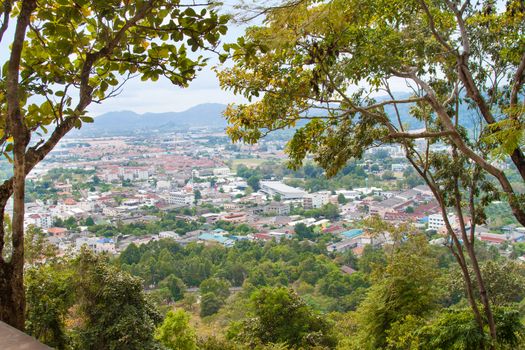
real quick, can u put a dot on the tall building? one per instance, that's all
(181, 199)
(316, 200)
(436, 221)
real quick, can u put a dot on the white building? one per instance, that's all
(286, 192)
(168, 234)
(142, 174)
(436, 221)
(96, 244)
(349, 194)
(221, 172)
(316, 200)
(163, 185)
(43, 221)
(398, 167)
(181, 199)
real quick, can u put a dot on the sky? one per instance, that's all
(162, 96)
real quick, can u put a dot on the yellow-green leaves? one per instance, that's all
(505, 136)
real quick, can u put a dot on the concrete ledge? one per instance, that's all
(13, 339)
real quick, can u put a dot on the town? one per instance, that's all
(196, 186)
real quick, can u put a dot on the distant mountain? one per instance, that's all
(210, 115)
(128, 122)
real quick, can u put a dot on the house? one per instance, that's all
(235, 217)
(278, 236)
(277, 208)
(347, 269)
(342, 246)
(181, 199)
(57, 232)
(96, 244)
(263, 237)
(216, 238)
(168, 234)
(316, 200)
(43, 221)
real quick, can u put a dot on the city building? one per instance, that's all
(286, 192)
(181, 199)
(436, 221)
(316, 200)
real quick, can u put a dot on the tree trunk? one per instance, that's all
(12, 296)
(460, 257)
(483, 292)
(12, 308)
(474, 262)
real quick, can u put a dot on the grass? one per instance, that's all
(249, 162)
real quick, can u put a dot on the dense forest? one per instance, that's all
(287, 295)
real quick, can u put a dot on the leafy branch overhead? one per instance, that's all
(76, 53)
(319, 67)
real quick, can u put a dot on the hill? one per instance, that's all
(208, 115)
(129, 122)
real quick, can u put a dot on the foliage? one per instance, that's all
(408, 286)
(112, 305)
(218, 286)
(175, 332)
(280, 316)
(303, 232)
(86, 303)
(455, 329)
(210, 304)
(50, 294)
(175, 286)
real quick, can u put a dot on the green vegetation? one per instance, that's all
(107, 306)
(293, 295)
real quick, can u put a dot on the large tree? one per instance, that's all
(65, 55)
(464, 65)
(456, 57)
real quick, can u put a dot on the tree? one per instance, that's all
(112, 305)
(49, 297)
(130, 255)
(281, 316)
(458, 54)
(108, 307)
(175, 285)
(277, 197)
(210, 304)
(175, 332)
(90, 221)
(388, 175)
(64, 56)
(329, 211)
(407, 287)
(253, 182)
(442, 68)
(302, 231)
(37, 248)
(341, 199)
(197, 195)
(217, 286)
(335, 284)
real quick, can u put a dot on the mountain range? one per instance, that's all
(129, 122)
(207, 115)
